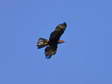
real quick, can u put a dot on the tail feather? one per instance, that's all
(42, 43)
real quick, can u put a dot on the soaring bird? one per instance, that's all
(54, 39)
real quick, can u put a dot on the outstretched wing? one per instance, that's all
(50, 50)
(56, 34)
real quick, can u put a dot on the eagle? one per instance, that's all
(54, 39)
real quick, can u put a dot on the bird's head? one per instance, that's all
(61, 41)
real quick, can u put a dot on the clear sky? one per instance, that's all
(84, 58)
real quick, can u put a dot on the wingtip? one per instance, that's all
(48, 57)
(65, 23)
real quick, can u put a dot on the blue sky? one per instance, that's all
(84, 58)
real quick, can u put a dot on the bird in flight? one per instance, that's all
(54, 39)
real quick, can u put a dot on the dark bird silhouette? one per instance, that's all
(54, 39)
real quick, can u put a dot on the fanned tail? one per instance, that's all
(42, 42)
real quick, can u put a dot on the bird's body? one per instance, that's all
(54, 40)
